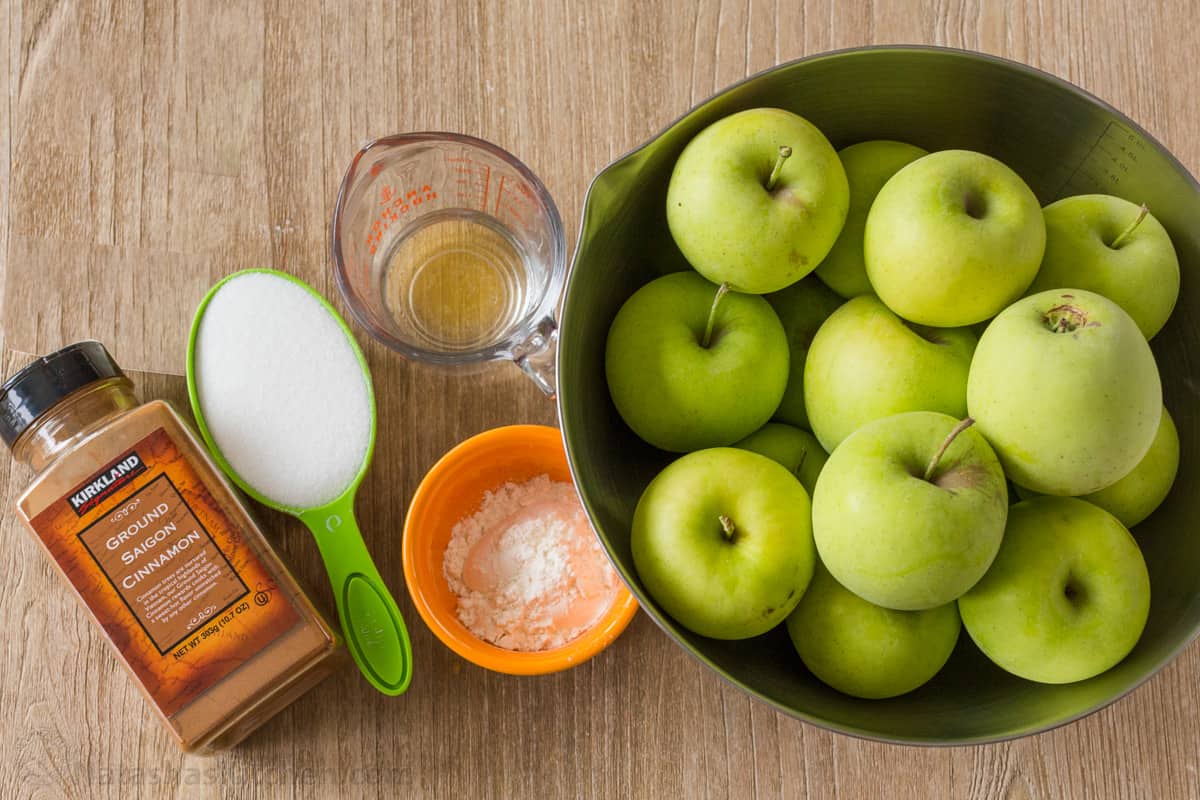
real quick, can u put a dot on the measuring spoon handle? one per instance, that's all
(371, 621)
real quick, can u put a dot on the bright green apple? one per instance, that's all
(801, 307)
(795, 449)
(1067, 596)
(687, 370)
(909, 510)
(1065, 388)
(757, 199)
(865, 650)
(953, 238)
(866, 363)
(1134, 497)
(868, 166)
(1111, 247)
(722, 540)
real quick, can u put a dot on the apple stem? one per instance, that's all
(712, 314)
(959, 428)
(1064, 318)
(727, 527)
(1117, 242)
(785, 153)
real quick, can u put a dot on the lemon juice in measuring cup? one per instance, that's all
(455, 280)
(449, 250)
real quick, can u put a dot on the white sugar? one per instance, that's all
(281, 390)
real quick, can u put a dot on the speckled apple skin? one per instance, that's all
(934, 263)
(1024, 618)
(730, 227)
(1068, 412)
(868, 167)
(896, 539)
(796, 449)
(1141, 275)
(679, 395)
(1139, 493)
(724, 587)
(802, 308)
(865, 650)
(865, 363)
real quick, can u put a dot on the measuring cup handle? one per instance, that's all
(370, 619)
(537, 356)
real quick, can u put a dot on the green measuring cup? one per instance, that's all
(370, 619)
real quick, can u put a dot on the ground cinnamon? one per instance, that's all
(160, 550)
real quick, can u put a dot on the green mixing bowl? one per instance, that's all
(1062, 141)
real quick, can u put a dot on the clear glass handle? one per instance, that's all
(536, 356)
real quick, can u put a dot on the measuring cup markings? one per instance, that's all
(466, 277)
(471, 192)
(521, 219)
(499, 195)
(1106, 163)
(395, 206)
(468, 180)
(468, 193)
(1111, 165)
(514, 206)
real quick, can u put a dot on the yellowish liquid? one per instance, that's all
(455, 282)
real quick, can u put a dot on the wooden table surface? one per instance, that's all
(147, 149)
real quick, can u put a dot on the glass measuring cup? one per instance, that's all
(449, 250)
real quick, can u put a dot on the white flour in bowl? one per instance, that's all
(528, 572)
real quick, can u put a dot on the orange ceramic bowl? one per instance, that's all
(454, 489)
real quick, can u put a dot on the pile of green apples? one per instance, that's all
(849, 437)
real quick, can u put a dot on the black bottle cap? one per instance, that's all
(38, 387)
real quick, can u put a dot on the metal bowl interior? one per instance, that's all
(1062, 141)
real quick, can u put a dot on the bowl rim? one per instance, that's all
(446, 627)
(565, 328)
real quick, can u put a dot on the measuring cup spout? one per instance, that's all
(537, 356)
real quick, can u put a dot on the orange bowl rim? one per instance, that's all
(443, 622)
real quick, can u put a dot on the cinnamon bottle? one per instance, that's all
(160, 550)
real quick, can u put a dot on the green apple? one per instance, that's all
(1067, 596)
(757, 199)
(795, 449)
(865, 650)
(690, 366)
(1065, 388)
(722, 540)
(1134, 497)
(801, 307)
(868, 166)
(866, 363)
(909, 510)
(953, 238)
(1111, 247)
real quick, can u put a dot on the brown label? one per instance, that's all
(166, 573)
(163, 563)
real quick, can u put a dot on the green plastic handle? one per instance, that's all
(371, 621)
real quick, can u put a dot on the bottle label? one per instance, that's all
(165, 571)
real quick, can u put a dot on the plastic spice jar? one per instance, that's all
(160, 550)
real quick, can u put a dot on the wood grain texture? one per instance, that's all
(148, 148)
